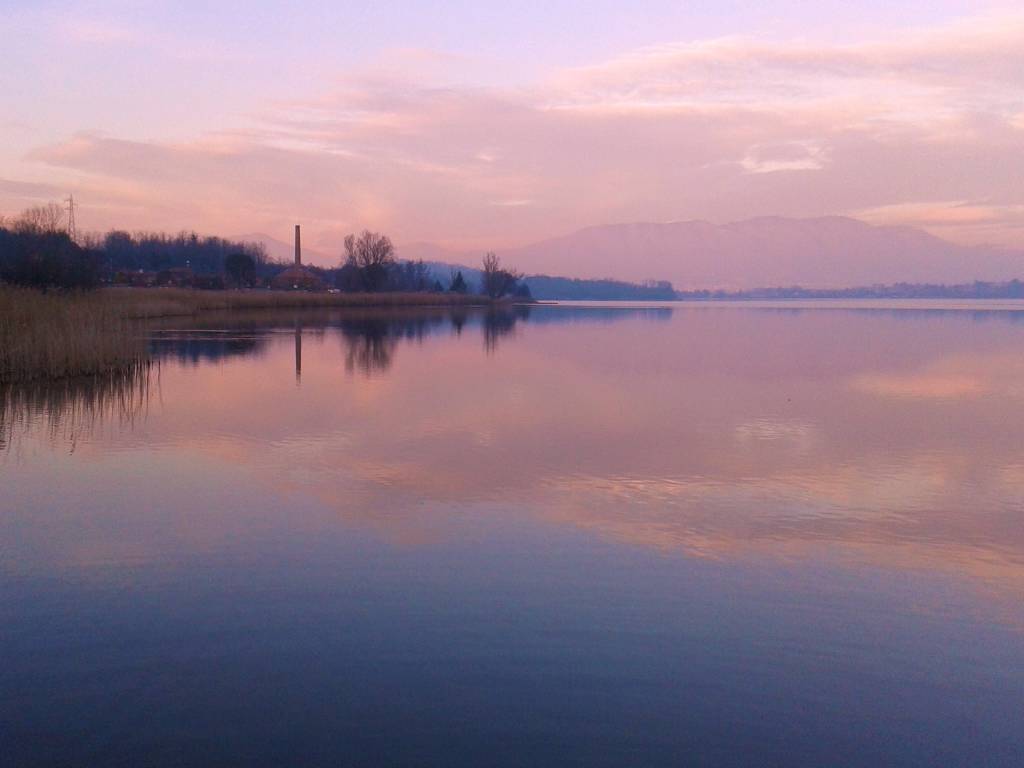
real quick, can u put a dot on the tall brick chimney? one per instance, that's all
(298, 247)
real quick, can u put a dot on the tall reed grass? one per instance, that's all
(47, 336)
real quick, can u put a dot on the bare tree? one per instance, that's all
(495, 280)
(41, 218)
(372, 255)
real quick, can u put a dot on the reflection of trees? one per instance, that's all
(369, 346)
(67, 409)
(458, 318)
(200, 346)
(371, 338)
(501, 321)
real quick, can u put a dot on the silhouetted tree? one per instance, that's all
(240, 268)
(348, 278)
(458, 284)
(157, 251)
(40, 219)
(495, 280)
(372, 255)
(46, 259)
(36, 250)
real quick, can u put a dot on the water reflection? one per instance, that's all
(722, 431)
(499, 322)
(369, 341)
(370, 337)
(636, 536)
(198, 346)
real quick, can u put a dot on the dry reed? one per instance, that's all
(57, 335)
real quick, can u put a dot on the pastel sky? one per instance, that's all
(477, 124)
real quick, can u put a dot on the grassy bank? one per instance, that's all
(56, 335)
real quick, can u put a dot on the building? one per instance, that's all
(297, 277)
(135, 278)
(177, 277)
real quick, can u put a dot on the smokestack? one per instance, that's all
(298, 247)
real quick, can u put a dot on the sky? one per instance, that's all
(491, 125)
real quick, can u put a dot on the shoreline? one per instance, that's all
(55, 335)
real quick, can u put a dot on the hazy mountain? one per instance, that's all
(278, 250)
(828, 251)
(444, 271)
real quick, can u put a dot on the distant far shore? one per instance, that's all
(1012, 289)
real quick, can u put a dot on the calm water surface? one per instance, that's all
(691, 535)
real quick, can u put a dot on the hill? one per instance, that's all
(820, 252)
(278, 250)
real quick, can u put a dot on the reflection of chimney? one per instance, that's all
(298, 353)
(298, 247)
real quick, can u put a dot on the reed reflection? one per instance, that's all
(67, 410)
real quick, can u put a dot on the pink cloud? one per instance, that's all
(720, 130)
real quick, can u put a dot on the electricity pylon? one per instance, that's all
(71, 217)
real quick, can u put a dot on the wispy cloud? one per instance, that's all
(787, 156)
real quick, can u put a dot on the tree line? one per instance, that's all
(979, 289)
(369, 263)
(37, 250)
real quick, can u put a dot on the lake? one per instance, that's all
(595, 535)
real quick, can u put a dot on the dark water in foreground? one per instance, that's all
(732, 536)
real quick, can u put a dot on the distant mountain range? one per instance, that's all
(279, 250)
(833, 252)
(830, 251)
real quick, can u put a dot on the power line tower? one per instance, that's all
(71, 217)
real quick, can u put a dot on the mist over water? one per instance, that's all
(550, 535)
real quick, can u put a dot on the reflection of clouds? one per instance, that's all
(810, 501)
(1011, 477)
(947, 379)
(798, 434)
(663, 435)
(930, 386)
(908, 512)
